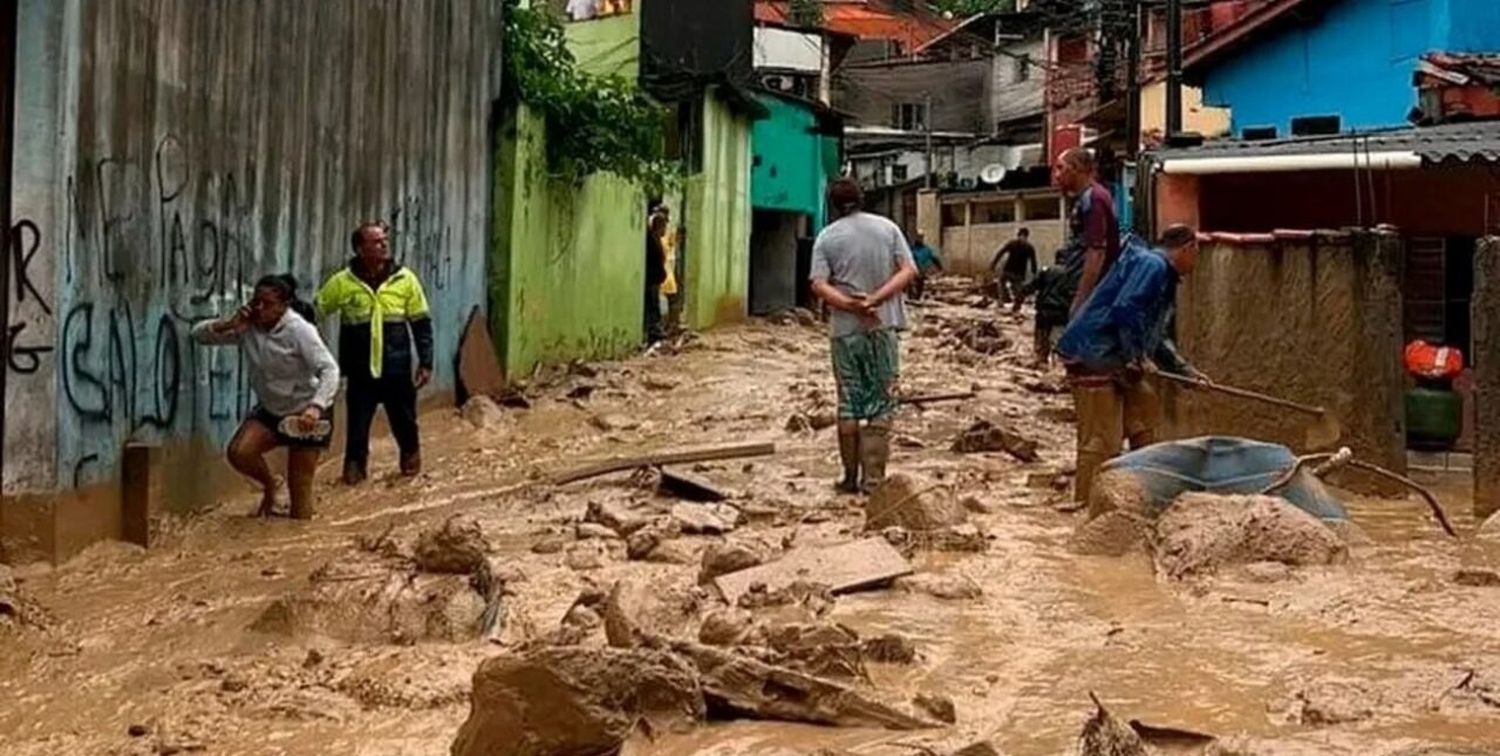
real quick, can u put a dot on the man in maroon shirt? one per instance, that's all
(1094, 229)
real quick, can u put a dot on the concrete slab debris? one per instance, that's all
(843, 568)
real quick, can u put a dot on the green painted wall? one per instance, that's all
(717, 258)
(792, 173)
(567, 263)
(608, 46)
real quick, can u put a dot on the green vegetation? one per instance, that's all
(964, 8)
(594, 123)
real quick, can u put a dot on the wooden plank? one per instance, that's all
(684, 485)
(657, 459)
(843, 568)
(935, 398)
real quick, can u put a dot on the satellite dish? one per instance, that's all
(993, 173)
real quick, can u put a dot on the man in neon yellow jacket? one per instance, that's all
(383, 314)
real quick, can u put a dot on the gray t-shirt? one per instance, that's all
(289, 365)
(857, 254)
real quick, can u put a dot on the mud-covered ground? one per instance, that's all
(154, 652)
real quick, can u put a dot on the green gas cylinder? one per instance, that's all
(1434, 416)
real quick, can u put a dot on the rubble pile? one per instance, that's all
(1201, 532)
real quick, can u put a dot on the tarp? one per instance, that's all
(1227, 465)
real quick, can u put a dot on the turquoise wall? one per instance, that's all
(789, 172)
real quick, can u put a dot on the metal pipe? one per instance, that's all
(1174, 67)
(1391, 160)
(9, 36)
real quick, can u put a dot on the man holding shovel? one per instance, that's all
(1121, 335)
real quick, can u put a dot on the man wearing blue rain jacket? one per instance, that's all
(1121, 333)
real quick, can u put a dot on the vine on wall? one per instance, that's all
(593, 123)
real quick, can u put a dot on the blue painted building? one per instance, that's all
(1350, 58)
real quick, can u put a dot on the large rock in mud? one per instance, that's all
(913, 503)
(1201, 532)
(575, 701)
(456, 547)
(635, 609)
(363, 598)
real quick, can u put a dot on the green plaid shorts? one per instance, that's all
(866, 366)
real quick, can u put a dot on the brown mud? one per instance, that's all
(170, 651)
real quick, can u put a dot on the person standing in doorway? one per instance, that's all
(1020, 264)
(295, 380)
(1119, 338)
(656, 275)
(1093, 228)
(383, 316)
(928, 264)
(672, 300)
(860, 266)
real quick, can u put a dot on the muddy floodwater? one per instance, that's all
(153, 652)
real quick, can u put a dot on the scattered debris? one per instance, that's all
(737, 685)
(584, 556)
(825, 649)
(361, 597)
(576, 700)
(1329, 702)
(613, 422)
(587, 530)
(636, 609)
(457, 547)
(1065, 415)
(912, 503)
(654, 383)
(731, 626)
(890, 648)
(938, 707)
(658, 459)
(679, 483)
(698, 519)
(842, 568)
(1114, 533)
(1201, 532)
(549, 544)
(614, 516)
(984, 436)
(1046, 385)
(946, 587)
(798, 424)
(483, 413)
(925, 399)
(723, 558)
(1104, 735)
(1477, 578)
(815, 597)
(822, 420)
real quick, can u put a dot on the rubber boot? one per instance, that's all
(875, 451)
(849, 455)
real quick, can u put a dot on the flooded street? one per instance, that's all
(166, 652)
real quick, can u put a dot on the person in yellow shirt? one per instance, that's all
(383, 314)
(669, 287)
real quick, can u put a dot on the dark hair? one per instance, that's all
(285, 284)
(1178, 235)
(1024, 232)
(359, 233)
(846, 195)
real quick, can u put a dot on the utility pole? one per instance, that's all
(1174, 67)
(1133, 44)
(927, 126)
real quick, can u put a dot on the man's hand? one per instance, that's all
(308, 420)
(237, 323)
(424, 376)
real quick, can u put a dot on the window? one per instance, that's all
(996, 211)
(1042, 208)
(1023, 69)
(953, 215)
(910, 116)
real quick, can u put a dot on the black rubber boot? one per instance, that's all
(849, 455)
(875, 452)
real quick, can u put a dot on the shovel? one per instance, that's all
(1322, 434)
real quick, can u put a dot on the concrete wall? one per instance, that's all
(1355, 60)
(170, 152)
(969, 245)
(956, 87)
(1018, 84)
(1313, 319)
(1487, 377)
(717, 221)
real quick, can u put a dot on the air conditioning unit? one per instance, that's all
(778, 83)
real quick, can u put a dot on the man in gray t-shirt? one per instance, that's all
(860, 267)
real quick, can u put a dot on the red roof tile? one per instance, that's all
(865, 21)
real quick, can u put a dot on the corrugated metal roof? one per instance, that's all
(865, 21)
(1447, 144)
